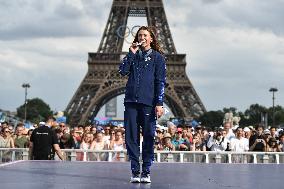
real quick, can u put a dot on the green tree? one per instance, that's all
(278, 113)
(253, 114)
(37, 110)
(244, 119)
(231, 109)
(212, 118)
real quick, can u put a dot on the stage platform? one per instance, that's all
(115, 175)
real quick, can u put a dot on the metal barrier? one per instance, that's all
(13, 154)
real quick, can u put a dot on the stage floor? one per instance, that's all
(108, 175)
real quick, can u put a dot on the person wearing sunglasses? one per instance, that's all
(6, 141)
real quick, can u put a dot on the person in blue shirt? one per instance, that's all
(144, 96)
(179, 142)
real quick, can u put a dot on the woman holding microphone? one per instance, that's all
(146, 70)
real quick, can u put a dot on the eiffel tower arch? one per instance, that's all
(103, 82)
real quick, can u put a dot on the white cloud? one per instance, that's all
(261, 14)
(50, 19)
(51, 66)
(234, 48)
(237, 64)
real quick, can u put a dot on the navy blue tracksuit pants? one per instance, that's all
(138, 116)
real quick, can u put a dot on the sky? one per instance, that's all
(234, 48)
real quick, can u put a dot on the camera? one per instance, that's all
(211, 133)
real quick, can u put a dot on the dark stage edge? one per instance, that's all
(108, 175)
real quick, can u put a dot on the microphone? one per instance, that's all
(140, 43)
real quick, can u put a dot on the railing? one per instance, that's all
(14, 154)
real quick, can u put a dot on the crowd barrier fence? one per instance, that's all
(14, 154)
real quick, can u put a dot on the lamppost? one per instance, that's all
(273, 90)
(26, 86)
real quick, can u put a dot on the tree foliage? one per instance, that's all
(251, 116)
(212, 118)
(37, 110)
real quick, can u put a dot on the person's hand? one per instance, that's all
(134, 47)
(159, 111)
(183, 146)
(256, 141)
(63, 157)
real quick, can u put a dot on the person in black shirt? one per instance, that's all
(43, 140)
(257, 141)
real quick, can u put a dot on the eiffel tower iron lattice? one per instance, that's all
(103, 82)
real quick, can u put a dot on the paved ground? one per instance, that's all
(107, 175)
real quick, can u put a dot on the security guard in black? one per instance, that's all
(43, 139)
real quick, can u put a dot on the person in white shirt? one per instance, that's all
(228, 128)
(217, 142)
(239, 144)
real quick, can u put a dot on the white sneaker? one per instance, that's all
(145, 178)
(135, 178)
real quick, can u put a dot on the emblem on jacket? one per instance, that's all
(147, 58)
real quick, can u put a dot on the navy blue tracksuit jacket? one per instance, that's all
(146, 79)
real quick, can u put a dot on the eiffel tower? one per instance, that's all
(103, 82)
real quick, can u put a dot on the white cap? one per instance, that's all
(279, 130)
(246, 129)
(235, 127)
(169, 123)
(266, 131)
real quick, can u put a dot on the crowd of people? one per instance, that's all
(170, 138)
(225, 138)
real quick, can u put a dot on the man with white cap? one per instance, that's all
(43, 140)
(247, 132)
